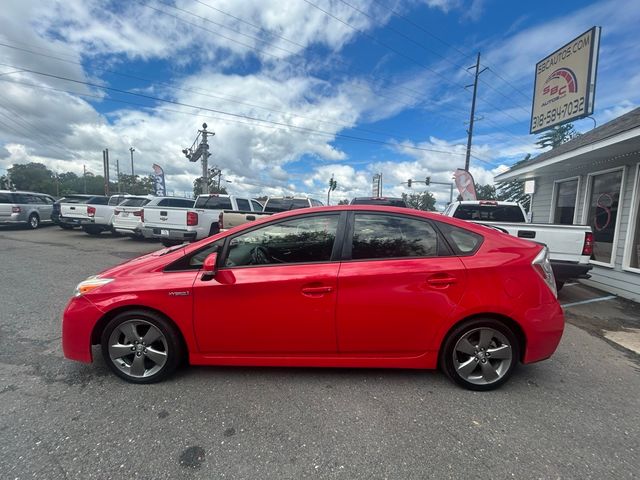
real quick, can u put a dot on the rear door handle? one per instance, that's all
(315, 291)
(442, 281)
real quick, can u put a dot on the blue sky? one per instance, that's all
(388, 72)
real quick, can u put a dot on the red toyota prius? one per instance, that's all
(352, 286)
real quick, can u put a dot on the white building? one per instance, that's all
(594, 179)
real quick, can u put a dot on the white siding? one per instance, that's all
(615, 280)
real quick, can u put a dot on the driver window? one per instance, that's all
(307, 239)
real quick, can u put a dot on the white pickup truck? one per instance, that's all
(177, 225)
(570, 246)
(94, 216)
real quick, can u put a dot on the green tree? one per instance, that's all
(513, 190)
(486, 192)
(213, 187)
(33, 176)
(556, 136)
(344, 202)
(420, 201)
(137, 185)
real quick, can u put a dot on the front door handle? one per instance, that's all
(442, 281)
(316, 291)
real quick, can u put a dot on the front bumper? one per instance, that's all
(78, 321)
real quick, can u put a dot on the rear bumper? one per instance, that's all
(543, 327)
(74, 221)
(136, 232)
(171, 234)
(78, 321)
(564, 271)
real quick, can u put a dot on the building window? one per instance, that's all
(564, 208)
(633, 253)
(604, 199)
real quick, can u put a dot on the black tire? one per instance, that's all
(170, 346)
(559, 285)
(34, 221)
(92, 230)
(169, 243)
(450, 358)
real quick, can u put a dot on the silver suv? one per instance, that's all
(29, 208)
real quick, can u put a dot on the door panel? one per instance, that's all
(279, 309)
(396, 306)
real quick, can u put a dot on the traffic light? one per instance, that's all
(333, 184)
(409, 182)
(427, 181)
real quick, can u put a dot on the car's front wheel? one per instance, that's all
(141, 347)
(480, 354)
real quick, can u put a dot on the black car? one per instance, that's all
(388, 201)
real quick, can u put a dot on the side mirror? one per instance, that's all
(210, 266)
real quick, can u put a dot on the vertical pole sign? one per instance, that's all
(565, 83)
(158, 173)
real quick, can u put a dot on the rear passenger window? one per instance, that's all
(4, 198)
(462, 241)
(257, 207)
(243, 204)
(388, 236)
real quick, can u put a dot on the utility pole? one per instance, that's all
(118, 172)
(473, 110)
(105, 164)
(84, 174)
(201, 151)
(332, 186)
(131, 149)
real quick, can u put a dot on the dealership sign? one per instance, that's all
(565, 83)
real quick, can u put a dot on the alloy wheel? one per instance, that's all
(482, 356)
(138, 348)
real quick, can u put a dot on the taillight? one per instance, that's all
(221, 221)
(140, 214)
(542, 265)
(587, 248)
(91, 211)
(192, 219)
(116, 212)
(15, 210)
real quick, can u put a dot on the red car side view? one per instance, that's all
(352, 286)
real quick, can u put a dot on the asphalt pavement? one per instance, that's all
(572, 416)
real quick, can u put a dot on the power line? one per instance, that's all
(200, 92)
(237, 115)
(465, 54)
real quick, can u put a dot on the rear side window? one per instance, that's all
(390, 236)
(491, 213)
(214, 203)
(5, 198)
(462, 241)
(257, 206)
(243, 204)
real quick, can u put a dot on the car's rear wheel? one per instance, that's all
(92, 230)
(141, 347)
(480, 354)
(34, 221)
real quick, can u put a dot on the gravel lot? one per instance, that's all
(573, 416)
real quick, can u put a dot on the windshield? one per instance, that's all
(214, 202)
(135, 202)
(275, 205)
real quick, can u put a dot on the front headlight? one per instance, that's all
(90, 284)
